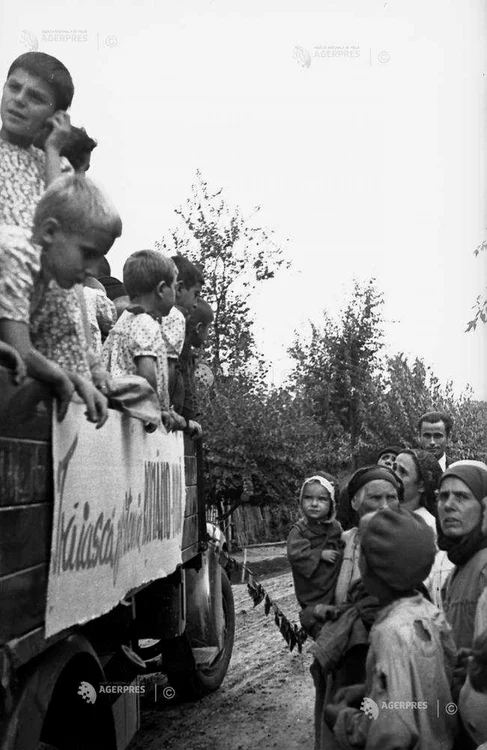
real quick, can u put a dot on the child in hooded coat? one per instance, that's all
(315, 547)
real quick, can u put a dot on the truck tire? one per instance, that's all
(71, 723)
(202, 681)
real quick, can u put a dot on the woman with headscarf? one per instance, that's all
(461, 534)
(462, 489)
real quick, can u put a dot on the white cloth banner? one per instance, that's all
(119, 498)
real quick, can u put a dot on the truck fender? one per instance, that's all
(38, 685)
(204, 611)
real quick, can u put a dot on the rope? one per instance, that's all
(293, 634)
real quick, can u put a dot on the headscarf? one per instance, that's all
(368, 474)
(331, 486)
(474, 475)
(399, 547)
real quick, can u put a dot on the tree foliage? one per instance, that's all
(364, 399)
(346, 398)
(480, 306)
(338, 370)
(236, 254)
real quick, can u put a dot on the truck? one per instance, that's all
(108, 571)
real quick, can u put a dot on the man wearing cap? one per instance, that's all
(411, 652)
(462, 489)
(434, 429)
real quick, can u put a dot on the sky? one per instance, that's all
(358, 126)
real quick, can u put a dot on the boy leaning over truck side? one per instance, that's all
(74, 225)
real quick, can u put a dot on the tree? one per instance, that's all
(363, 399)
(480, 306)
(236, 254)
(338, 370)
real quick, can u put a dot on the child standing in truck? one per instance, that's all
(36, 95)
(135, 345)
(315, 548)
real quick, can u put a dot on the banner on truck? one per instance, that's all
(119, 499)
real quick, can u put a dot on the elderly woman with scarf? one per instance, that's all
(462, 489)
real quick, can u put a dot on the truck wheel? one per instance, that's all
(71, 723)
(205, 680)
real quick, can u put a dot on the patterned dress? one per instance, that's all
(137, 335)
(55, 319)
(22, 183)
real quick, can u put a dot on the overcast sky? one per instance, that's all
(367, 161)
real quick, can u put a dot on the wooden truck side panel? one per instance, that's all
(26, 509)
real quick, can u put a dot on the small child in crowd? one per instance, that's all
(135, 345)
(74, 225)
(411, 655)
(314, 547)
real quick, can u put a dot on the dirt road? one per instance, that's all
(266, 700)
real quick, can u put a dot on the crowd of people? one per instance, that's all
(389, 571)
(391, 576)
(63, 318)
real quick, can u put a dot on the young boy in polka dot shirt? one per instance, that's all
(135, 345)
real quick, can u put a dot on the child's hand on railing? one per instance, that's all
(14, 361)
(194, 429)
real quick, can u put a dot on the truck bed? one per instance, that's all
(26, 510)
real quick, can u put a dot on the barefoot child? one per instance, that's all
(314, 547)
